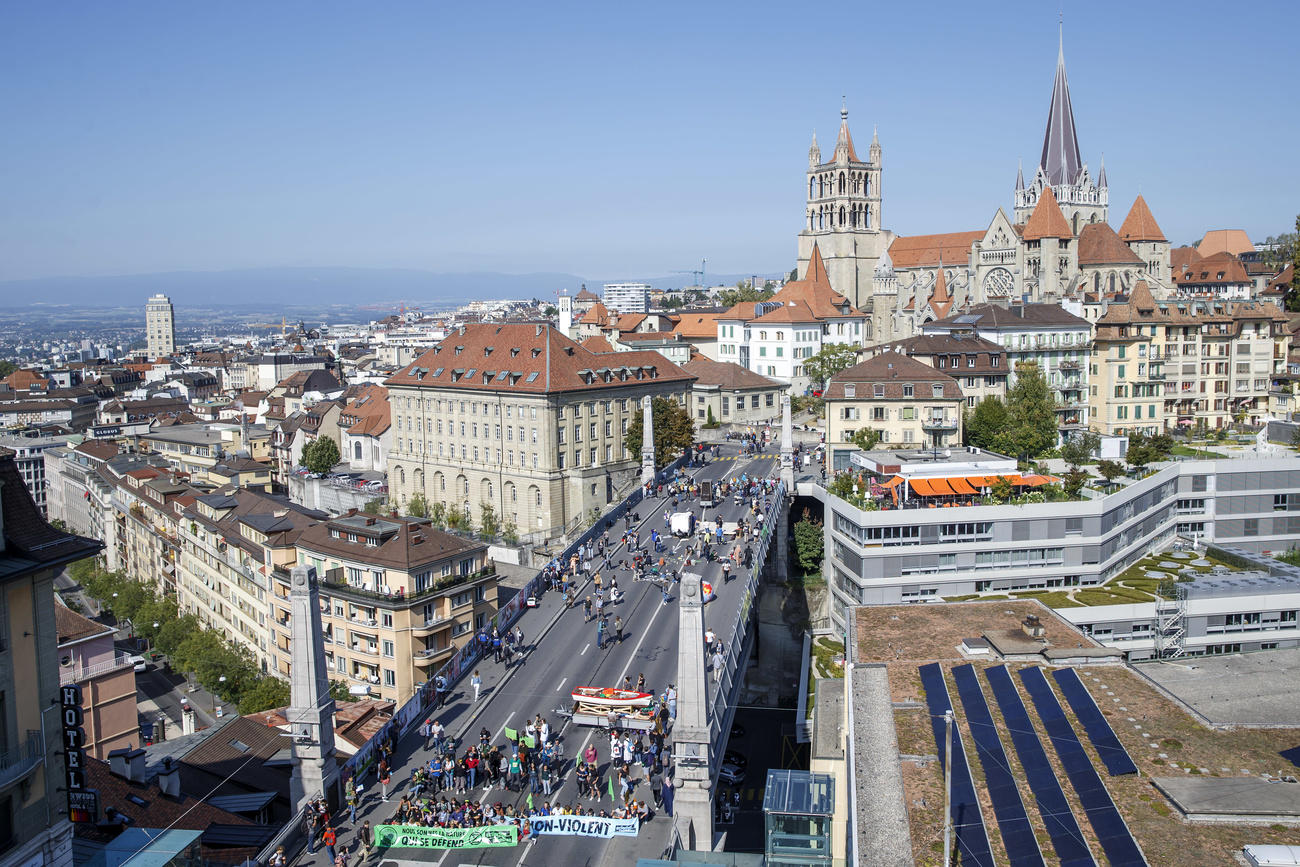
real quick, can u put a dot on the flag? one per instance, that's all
(530, 800)
(511, 734)
(611, 787)
(530, 742)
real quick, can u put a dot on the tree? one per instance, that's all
(1031, 415)
(6, 368)
(1295, 438)
(710, 422)
(1162, 444)
(488, 522)
(548, 311)
(866, 438)
(373, 507)
(320, 455)
(1079, 449)
(418, 506)
(1073, 482)
(1140, 452)
(674, 431)
(265, 693)
(339, 691)
(830, 360)
(1110, 470)
(742, 293)
(1002, 489)
(509, 532)
(808, 542)
(438, 514)
(986, 422)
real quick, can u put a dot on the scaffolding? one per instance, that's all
(1171, 618)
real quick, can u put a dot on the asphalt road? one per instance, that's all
(567, 656)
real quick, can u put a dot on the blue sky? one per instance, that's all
(604, 140)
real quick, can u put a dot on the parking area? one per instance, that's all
(768, 742)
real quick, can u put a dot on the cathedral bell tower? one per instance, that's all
(843, 215)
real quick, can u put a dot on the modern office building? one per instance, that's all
(904, 546)
(160, 326)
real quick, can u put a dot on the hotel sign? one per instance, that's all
(83, 803)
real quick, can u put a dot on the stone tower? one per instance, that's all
(1081, 199)
(843, 216)
(311, 710)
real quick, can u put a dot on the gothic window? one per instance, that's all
(356, 451)
(841, 189)
(866, 185)
(841, 215)
(810, 187)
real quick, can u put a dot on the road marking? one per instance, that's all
(561, 686)
(584, 650)
(504, 725)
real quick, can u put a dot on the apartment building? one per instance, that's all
(523, 419)
(904, 551)
(1047, 335)
(29, 456)
(68, 474)
(196, 448)
(36, 787)
(398, 598)
(627, 297)
(1158, 364)
(730, 394)
(907, 402)
(160, 326)
(231, 544)
(978, 365)
(88, 658)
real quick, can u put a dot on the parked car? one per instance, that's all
(731, 757)
(730, 774)
(139, 662)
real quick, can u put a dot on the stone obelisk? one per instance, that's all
(647, 442)
(787, 445)
(311, 710)
(692, 806)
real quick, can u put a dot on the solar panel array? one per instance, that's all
(968, 823)
(1013, 822)
(1116, 840)
(1109, 749)
(1058, 820)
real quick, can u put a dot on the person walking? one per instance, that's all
(367, 837)
(719, 664)
(350, 795)
(329, 838)
(600, 634)
(666, 793)
(671, 695)
(384, 779)
(477, 683)
(586, 609)
(618, 629)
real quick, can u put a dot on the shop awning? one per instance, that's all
(894, 482)
(961, 486)
(922, 487)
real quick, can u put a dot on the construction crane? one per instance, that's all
(698, 273)
(283, 326)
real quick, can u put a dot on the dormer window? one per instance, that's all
(487, 350)
(459, 350)
(850, 390)
(879, 390)
(938, 389)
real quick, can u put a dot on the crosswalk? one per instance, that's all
(739, 457)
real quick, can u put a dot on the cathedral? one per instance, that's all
(1057, 245)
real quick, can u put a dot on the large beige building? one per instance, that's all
(520, 418)
(910, 404)
(1178, 362)
(398, 598)
(159, 326)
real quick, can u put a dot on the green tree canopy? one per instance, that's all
(320, 455)
(1031, 415)
(1110, 470)
(743, 292)
(830, 360)
(6, 368)
(674, 431)
(1079, 448)
(1074, 481)
(986, 422)
(266, 693)
(866, 438)
(808, 542)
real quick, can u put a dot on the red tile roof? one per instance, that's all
(698, 326)
(1099, 245)
(893, 370)
(529, 358)
(940, 300)
(1140, 225)
(1047, 221)
(596, 343)
(925, 251)
(727, 375)
(1216, 268)
(1234, 241)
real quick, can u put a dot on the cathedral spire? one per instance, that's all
(844, 144)
(1101, 176)
(1060, 158)
(1020, 176)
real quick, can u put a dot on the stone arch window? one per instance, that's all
(419, 480)
(401, 475)
(780, 335)
(841, 215)
(537, 496)
(512, 494)
(440, 483)
(841, 183)
(356, 451)
(487, 490)
(811, 184)
(762, 335)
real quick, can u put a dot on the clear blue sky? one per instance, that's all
(605, 140)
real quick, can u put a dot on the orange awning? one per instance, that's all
(922, 487)
(941, 487)
(961, 486)
(894, 482)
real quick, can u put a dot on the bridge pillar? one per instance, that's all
(647, 442)
(692, 806)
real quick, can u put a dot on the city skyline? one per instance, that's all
(145, 140)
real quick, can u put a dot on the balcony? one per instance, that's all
(426, 658)
(938, 424)
(1069, 365)
(1155, 376)
(435, 624)
(78, 674)
(366, 649)
(22, 759)
(335, 584)
(1069, 406)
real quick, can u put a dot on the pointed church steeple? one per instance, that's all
(1020, 176)
(814, 153)
(844, 144)
(940, 300)
(1060, 158)
(873, 153)
(1101, 176)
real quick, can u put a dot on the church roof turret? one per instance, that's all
(1060, 158)
(1047, 221)
(940, 300)
(1140, 224)
(1101, 176)
(814, 152)
(1020, 176)
(844, 144)
(875, 146)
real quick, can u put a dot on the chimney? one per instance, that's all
(169, 778)
(128, 764)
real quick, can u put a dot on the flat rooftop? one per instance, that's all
(1241, 689)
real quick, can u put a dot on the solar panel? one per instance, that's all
(1109, 749)
(968, 823)
(1013, 823)
(1059, 822)
(1116, 841)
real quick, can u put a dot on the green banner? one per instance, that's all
(421, 837)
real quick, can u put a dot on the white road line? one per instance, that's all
(561, 686)
(504, 726)
(584, 650)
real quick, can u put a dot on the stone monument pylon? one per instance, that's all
(647, 442)
(692, 806)
(311, 709)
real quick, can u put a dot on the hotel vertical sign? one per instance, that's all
(83, 802)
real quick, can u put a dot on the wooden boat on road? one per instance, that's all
(610, 697)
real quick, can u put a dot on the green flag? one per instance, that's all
(530, 742)
(611, 787)
(530, 800)
(511, 734)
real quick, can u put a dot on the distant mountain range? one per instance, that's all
(312, 285)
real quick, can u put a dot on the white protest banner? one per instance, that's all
(583, 826)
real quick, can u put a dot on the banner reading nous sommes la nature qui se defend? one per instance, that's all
(421, 837)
